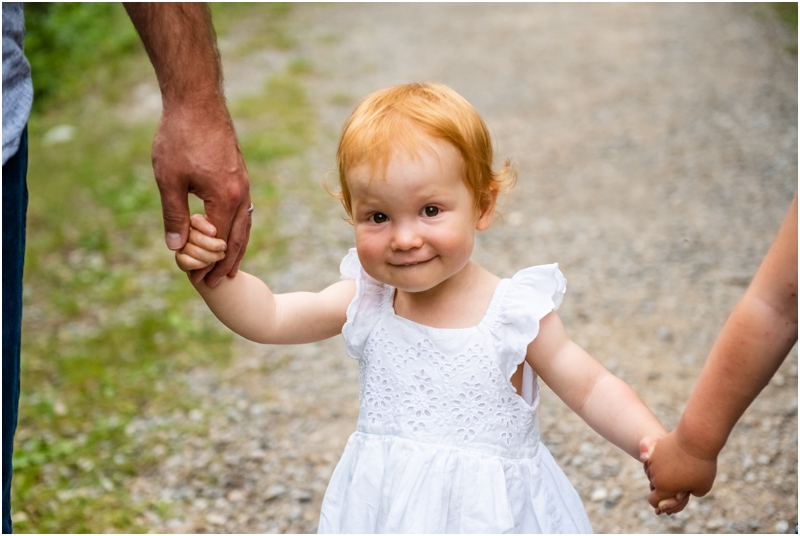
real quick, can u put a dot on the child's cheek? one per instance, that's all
(369, 243)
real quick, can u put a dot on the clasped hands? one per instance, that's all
(676, 471)
(195, 151)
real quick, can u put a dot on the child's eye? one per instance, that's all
(379, 217)
(431, 211)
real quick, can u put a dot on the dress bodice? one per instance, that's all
(450, 386)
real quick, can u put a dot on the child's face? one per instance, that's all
(415, 226)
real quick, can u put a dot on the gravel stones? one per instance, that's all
(657, 150)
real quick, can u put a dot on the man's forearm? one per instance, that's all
(180, 41)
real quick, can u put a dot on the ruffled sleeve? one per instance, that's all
(364, 310)
(529, 296)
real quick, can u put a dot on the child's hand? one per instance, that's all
(668, 505)
(674, 473)
(202, 248)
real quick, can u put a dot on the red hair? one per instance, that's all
(401, 117)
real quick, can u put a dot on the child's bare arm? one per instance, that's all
(601, 399)
(751, 346)
(248, 307)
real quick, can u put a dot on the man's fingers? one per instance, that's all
(195, 276)
(237, 244)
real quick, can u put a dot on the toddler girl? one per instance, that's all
(449, 354)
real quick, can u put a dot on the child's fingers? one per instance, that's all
(205, 242)
(188, 263)
(673, 505)
(646, 446)
(668, 504)
(202, 224)
(202, 254)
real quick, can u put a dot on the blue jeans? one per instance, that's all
(15, 208)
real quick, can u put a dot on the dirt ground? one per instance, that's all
(657, 152)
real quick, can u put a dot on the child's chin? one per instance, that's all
(414, 287)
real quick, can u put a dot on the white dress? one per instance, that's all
(444, 443)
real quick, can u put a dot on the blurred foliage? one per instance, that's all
(787, 12)
(269, 17)
(110, 326)
(75, 46)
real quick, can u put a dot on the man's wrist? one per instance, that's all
(200, 98)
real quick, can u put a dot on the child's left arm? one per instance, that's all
(601, 399)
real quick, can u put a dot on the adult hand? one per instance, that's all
(674, 469)
(195, 148)
(195, 151)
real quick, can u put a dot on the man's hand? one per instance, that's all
(195, 148)
(674, 471)
(195, 151)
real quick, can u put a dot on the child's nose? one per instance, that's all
(406, 236)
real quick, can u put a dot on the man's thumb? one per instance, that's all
(175, 210)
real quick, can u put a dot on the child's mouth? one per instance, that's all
(413, 263)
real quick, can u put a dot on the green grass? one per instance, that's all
(110, 326)
(787, 12)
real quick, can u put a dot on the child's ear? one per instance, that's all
(486, 215)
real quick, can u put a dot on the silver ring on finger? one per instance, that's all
(250, 210)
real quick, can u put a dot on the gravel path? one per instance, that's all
(657, 150)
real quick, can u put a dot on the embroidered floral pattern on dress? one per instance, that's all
(420, 401)
(422, 391)
(448, 366)
(379, 390)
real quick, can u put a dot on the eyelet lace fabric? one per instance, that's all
(444, 443)
(418, 392)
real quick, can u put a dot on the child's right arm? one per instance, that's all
(247, 306)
